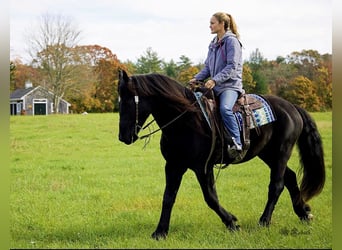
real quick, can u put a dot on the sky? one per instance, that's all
(181, 27)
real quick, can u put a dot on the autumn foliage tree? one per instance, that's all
(323, 84)
(187, 74)
(185, 70)
(97, 91)
(302, 91)
(106, 87)
(247, 79)
(20, 73)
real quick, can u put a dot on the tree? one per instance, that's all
(129, 66)
(149, 63)
(324, 87)
(107, 71)
(97, 79)
(187, 74)
(170, 69)
(278, 73)
(256, 58)
(51, 49)
(302, 91)
(12, 76)
(306, 61)
(184, 63)
(20, 73)
(247, 79)
(256, 64)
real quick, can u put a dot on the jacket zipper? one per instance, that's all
(215, 61)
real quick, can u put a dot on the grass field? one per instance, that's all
(74, 185)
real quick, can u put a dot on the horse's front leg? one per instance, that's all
(173, 180)
(209, 192)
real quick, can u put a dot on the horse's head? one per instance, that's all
(133, 109)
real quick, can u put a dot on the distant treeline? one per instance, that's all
(87, 76)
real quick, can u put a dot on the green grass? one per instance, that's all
(74, 185)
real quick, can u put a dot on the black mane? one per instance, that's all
(164, 87)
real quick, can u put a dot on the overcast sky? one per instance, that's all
(181, 27)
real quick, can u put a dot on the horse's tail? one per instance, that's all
(312, 158)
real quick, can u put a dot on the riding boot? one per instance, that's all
(234, 150)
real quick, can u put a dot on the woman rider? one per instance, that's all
(223, 67)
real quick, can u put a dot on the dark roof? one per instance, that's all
(19, 93)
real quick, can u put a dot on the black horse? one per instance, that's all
(186, 142)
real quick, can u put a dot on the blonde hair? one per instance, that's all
(229, 22)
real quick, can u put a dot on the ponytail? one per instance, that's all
(229, 22)
(233, 26)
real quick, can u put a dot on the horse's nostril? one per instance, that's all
(127, 139)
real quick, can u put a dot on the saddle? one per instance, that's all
(245, 105)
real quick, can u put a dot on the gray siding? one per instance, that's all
(44, 98)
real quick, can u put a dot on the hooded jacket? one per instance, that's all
(224, 64)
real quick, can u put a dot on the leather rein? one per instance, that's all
(147, 136)
(138, 127)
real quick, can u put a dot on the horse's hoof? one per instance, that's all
(159, 236)
(264, 223)
(308, 217)
(234, 227)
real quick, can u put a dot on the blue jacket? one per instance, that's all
(224, 64)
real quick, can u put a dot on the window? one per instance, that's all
(19, 107)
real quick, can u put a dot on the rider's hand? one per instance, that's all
(210, 84)
(192, 82)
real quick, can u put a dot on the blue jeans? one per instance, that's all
(227, 101)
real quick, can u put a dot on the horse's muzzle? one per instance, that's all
(128, 139)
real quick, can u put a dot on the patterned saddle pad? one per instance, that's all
(261, 116)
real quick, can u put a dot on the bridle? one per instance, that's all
(137, 127)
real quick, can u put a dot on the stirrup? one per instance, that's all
(234, 151)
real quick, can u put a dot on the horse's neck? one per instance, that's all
(165, 115)
(172, 120)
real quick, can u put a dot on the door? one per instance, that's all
(40, 107)
(13, 109)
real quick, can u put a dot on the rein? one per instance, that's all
(162, 127)
(136, 100)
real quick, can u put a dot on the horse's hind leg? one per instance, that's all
(299, 206)
(275, 189)
(280, 177)
(209, 192)
(173, 180)
(278, 165)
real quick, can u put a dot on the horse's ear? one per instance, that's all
(123, 75)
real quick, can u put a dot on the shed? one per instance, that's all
(35, 101)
